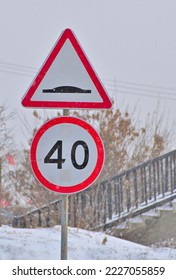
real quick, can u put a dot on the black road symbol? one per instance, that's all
(67, 89)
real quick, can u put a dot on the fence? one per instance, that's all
(128, 194)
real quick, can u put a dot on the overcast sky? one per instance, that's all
(130, 43)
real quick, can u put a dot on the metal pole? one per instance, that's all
(64, 226)
(0, 186)
(64, 218)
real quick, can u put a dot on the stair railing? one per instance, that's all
(125, 195)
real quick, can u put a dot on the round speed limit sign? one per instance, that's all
(67, 155)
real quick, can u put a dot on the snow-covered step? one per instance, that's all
(152, 214)
(136, 222)
(174, 204)
(118, 230)
(165, 209)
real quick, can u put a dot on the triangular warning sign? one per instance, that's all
(67, 79)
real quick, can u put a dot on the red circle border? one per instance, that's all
(100, 158)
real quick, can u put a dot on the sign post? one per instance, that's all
(64, 226)
(67, 154)
(0, 187)
(67, 79)
(64, 218)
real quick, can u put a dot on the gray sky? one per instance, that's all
(129, 42)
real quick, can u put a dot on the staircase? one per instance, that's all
(152, 227)
(129, 201)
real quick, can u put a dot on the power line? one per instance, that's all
(145, 90)
(119, 87)
(142, 94)
(18, 66)
(124, 87)
(17, 69)
(140, 84)
(16, 73)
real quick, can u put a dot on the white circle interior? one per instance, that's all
(67, 175)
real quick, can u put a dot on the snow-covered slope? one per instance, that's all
(33, 244)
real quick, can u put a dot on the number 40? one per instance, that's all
(59, 160)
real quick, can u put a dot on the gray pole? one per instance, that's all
(64, 226)
(0, 185)
(64, 217)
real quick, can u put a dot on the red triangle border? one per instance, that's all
(67, 35)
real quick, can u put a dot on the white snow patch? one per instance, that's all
(44, 244)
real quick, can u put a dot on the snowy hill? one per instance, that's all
(33, 244)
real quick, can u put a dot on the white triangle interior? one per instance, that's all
(67, 70)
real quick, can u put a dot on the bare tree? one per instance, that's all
(126, 144)
(6, 144)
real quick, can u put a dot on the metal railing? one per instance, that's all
(127, 194)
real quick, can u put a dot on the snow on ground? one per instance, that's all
(44, 244)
